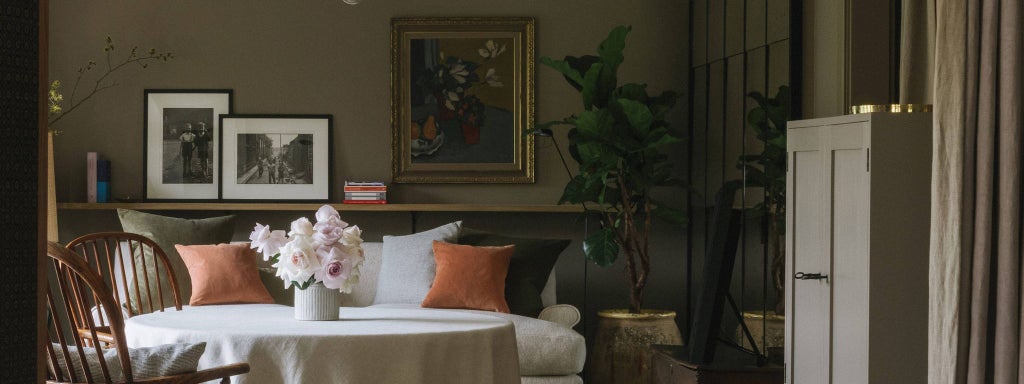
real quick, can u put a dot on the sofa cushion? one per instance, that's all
(223, 274)
(407, 265)
(528, 271)
(469, 277)
(545, 348)
(166, 232)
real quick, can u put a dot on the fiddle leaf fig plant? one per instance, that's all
(618, 141)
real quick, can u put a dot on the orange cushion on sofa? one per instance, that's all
(469, 277)
(223, 274)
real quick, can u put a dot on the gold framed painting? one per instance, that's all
(461, 98)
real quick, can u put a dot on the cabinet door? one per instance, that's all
(807, 250)
(850, 207)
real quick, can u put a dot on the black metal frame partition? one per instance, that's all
(699, 120)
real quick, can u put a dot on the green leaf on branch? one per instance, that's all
(601, 247)
(590, 91)
(594, 125)
(571, 74)
(611, 48)
(638, 115)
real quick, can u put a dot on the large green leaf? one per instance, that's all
(563, 67)
(638, 115)
(590, 91)
(611, 48)
(601, 247)
(595, 124)
(580, 189)
(631, 91)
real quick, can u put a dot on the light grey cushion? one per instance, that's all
(407, 266)
(166, 232)
(161, 360)
(567, 379)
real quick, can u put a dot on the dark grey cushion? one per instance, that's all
(166, 232)
(528, 271)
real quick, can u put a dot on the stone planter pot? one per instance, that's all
(621, 351)
(772, 331)
(317, 302)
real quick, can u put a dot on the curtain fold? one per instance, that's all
(977, 294)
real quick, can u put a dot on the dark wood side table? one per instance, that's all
(669, 365)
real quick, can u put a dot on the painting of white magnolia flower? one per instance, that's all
(491, 49)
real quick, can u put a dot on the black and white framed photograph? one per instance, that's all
(181, 140)
(276, 157)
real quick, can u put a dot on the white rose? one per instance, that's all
(326, 213)
(298, 261)
(351, 236)
(301, 227)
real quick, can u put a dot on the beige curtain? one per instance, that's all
(976, 297)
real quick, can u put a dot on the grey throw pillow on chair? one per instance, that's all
(161, 360)
(407, 265)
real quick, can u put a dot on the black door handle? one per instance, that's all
(809, 276)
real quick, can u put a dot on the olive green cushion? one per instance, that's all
(166, 232)
(527, 272)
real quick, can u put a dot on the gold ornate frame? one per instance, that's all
(521, 30)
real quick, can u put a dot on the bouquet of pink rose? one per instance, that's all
(329, 251)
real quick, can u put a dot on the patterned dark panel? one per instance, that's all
(19, 65)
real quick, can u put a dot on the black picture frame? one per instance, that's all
(166, 115)
(295, 149)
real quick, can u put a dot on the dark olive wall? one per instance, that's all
(323, 56)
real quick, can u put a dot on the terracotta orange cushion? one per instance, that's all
(469, 277)
(223, 274)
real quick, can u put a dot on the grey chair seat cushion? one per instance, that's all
(545, 348)
(161, 360)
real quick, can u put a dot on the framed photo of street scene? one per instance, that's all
(180, 140)
(461, 98)
(276, 157)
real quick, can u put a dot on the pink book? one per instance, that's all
(90, 176)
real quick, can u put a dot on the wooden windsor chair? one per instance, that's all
(79, 287)
(133, 266)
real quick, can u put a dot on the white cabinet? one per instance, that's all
(857, 191)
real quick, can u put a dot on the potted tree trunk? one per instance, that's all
(618, 141)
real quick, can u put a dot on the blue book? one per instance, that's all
(103, 181)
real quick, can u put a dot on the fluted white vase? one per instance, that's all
(317, 302)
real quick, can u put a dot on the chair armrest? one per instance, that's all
(564, 314)
(222, 372)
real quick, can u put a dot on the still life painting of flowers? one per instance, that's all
(461, 99)
(461, 110)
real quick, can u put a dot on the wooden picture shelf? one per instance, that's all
(510, 208)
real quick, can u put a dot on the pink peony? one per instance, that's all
(298, 261)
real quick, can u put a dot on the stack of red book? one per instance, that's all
(365, 192)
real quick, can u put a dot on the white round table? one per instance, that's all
(367, 345)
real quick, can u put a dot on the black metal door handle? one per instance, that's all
(809, 276)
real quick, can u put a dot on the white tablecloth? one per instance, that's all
(368, 345)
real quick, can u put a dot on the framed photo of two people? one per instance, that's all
(181, 135)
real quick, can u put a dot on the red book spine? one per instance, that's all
(364, 201)
(365, 189)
